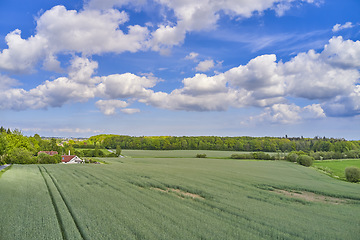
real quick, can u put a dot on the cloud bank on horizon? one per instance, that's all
(312, 84)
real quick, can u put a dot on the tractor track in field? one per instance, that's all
(44, 171)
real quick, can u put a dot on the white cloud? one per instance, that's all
(67, 31)
(262, 74)
(130, 110)
(108, 107)
(167, 36)
(313, 111)
(342, 53)
(345, 105)
(289, 113)
(202, 15)
(73, 130)
(79, 86)
(125, 85)
(265, 82)
(202, 84)
(205, 65)
(308, 76)
(192, 56)
(106, 4)
(176, 100)
(7, 82)
(82, 69)
(89, 32)
(338, 27)
(22, 55)
(95, 30)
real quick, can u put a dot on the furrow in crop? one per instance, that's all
(82, 233)
(58, 216)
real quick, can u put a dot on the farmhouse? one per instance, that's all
(51, 153)
(71, 159)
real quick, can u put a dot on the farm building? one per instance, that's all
(71, 159)
(51, 153)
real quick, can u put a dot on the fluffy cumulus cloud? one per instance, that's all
(67, 31)
(204, 15)
(205, 65)
(79, 86)
(329, 77)
(345, 105)
(6, 82)
(125, 86)
(96, 30)
(289, 113)
(196, 15)
(342, 53)
(22, 55)
(108, 107)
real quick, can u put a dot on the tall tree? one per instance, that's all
(118, 150)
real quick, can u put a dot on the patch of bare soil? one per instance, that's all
(311, 197)
(179, 193)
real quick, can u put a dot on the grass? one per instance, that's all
(178, 153)
(152, 198)
(336, 168)
(4, 170)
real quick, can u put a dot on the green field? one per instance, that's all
(336, 168)
(178, 153)
(159, 197)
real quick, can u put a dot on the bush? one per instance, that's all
(255, 155)
(305, 160)
(44, 158)
(201, 155)
(263, 156)
(242, 156)
(352, 174)
(292, 157)
(21, 156)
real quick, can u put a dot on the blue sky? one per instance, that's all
(160, 67)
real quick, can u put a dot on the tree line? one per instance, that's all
(249, 144)
(19, 149)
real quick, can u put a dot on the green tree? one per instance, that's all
(3, 144)
(118, 150)
(96, 151)
(20, 156)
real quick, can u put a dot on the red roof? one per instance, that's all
(51, 153)
(67, 158)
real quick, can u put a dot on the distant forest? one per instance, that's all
(17, 148)
(264, 144)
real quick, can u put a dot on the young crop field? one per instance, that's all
(162, 197)
(179, 153)
(336, 168)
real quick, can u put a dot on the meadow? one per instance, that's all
(336, 168)
(173, 195)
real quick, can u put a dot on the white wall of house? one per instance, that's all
(75, 159)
